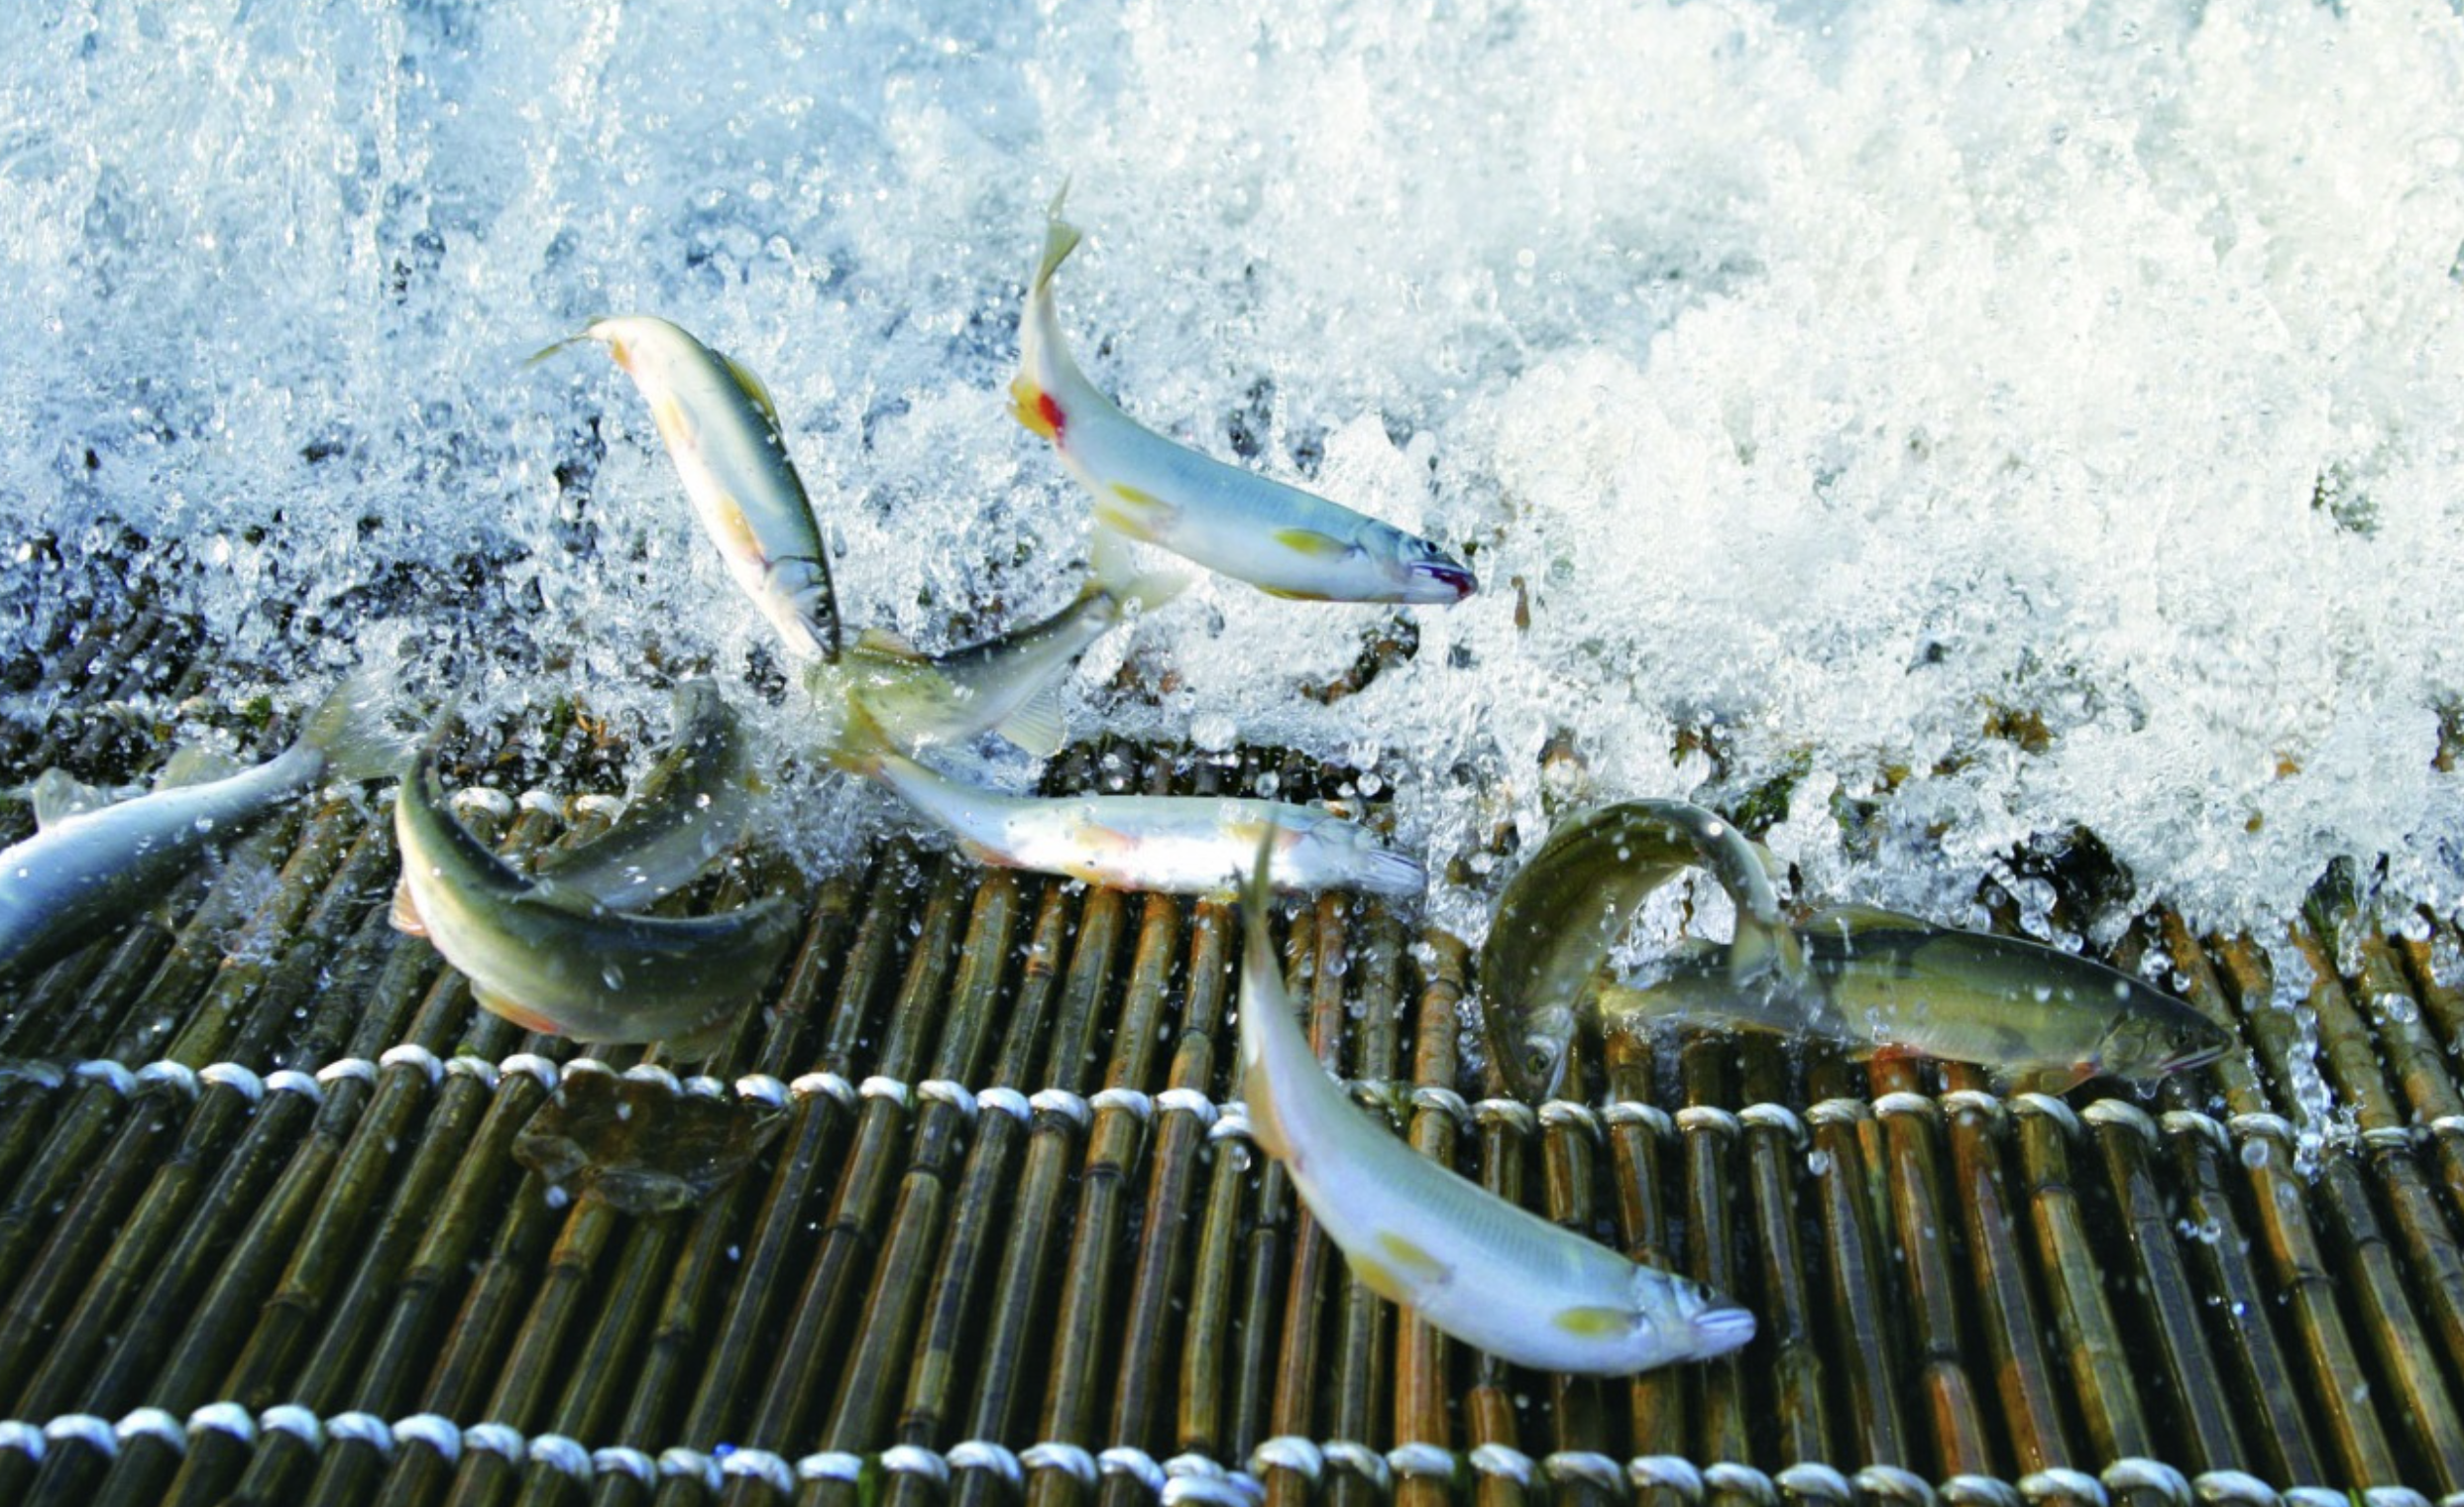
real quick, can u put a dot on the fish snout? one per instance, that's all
(1720, 1328)
(1440, 583)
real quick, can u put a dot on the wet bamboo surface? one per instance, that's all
(262, 1234)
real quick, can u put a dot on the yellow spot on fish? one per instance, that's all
(1127, 510)
(1378, 1280)
(674, 426)
(1592, 1323)
(1410, 1258)
(739, 540)
(1311, 542)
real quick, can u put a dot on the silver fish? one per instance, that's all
(1875, 981)
(1476, 1266)
(87, 871)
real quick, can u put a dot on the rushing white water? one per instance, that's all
(2016, 418)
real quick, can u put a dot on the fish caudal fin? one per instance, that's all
(1039, 727)
(1389, 873)
(353, 728)
(1760, 949)
(1059, 239)
(860, 747)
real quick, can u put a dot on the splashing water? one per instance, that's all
(1979, 421)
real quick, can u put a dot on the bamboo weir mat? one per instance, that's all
(263, 1237)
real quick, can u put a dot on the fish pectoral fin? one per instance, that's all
(2055, 1081)
(520, 1014)
(1311, 542)
(57, 795)
(704, 1041)
(754, 389)
(1136, 512)
(1037, 726)
(196, 767)
(404, 915)
(1379, 1278)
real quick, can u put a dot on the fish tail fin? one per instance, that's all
(353, 726)
(861, 747)
(1395, 875)
(1059, 238)
(1761, 949)
(1113, 572)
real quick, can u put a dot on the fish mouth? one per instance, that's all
(1439, 582)
(1722, 1328)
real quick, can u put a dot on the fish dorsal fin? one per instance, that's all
(888, 643)
(1037, 726)
(405, 916)
(195, 766)
(1848, 920)
(57, 795)
(754, 390)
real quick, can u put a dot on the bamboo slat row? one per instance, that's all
(1012, 1242)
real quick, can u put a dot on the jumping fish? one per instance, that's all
(1875, 981)
(1479, 1268)
(552, 959)
(1180, 844)
(1563, 912)
(688, 810)
(1279, 538)
(90, 867)
(723, 431)
(1010, 684)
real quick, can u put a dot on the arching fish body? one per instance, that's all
(1563, 912)
(686, 813)
(1479, 1268)
(1279, 538)
(552, 959)
(723, 433)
